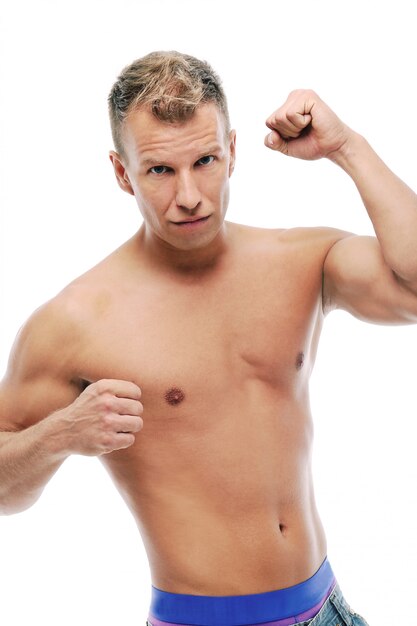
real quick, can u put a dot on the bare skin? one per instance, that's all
(222, 480)
(183, 362)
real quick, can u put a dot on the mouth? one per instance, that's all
(193, 222)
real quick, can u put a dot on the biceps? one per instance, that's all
(357, 279)
(23, 403)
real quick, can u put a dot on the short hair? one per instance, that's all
(169, 84)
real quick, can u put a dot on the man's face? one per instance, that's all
(179, 174)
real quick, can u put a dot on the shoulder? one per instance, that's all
(39, 375)
(43, 371)
(318, 237)
(317, 240)
(56, 329)
(49, 334)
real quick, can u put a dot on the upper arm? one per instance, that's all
(356, 278)
(38, 380)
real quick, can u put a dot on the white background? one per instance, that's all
(76, 556)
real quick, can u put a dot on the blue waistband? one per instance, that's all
(246, 609)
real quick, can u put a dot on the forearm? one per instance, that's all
(391, 204)
(28, 460)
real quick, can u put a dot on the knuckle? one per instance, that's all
(107, 402)
(107, 443)
(107, 420)
(100, 386)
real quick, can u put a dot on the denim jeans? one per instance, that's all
(335, 612)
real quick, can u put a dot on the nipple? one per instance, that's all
(174, 396)
(300, 360)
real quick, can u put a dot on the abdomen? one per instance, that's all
(225, 503)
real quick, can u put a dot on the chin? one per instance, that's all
(195, 241)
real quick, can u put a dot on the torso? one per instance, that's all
(219, 478)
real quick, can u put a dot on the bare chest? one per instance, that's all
(186, 346)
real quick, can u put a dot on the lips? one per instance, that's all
(193, 220)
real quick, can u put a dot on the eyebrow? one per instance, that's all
(215, 147)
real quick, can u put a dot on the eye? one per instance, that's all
(204, 160)
(158, 169)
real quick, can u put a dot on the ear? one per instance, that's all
(121, 173)
(232, 149)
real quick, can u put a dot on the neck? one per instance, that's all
(186, 262)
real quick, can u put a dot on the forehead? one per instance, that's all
(146, 137)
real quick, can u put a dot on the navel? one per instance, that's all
(299, 361)
(174, 396)
(282, 529)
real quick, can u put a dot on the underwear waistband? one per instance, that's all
(242, 610)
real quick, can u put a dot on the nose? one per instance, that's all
(188, 195)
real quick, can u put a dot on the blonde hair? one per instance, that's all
(172, 85)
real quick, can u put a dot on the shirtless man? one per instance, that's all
(183, 359)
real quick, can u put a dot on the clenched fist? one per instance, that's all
(306, 128)
(102, 419)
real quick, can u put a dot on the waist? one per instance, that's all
(302, 601)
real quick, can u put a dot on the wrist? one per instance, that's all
(350, 152)
(55, 439)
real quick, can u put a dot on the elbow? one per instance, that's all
(10, 505)
(407, 281)
(6, 509)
